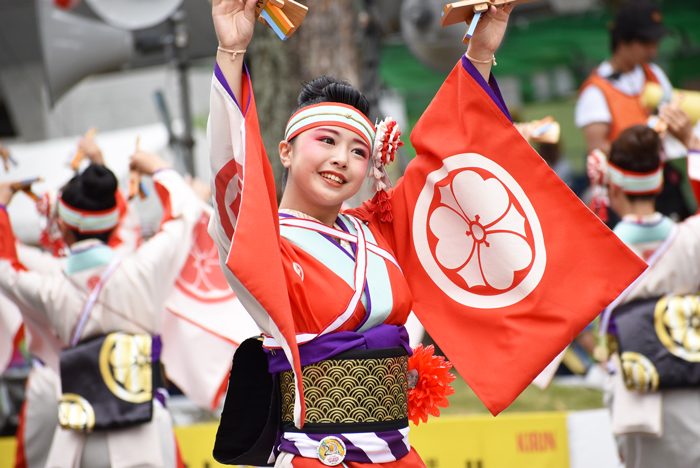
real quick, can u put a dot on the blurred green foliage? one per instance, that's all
(576, 42)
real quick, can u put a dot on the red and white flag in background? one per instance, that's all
(206, 317)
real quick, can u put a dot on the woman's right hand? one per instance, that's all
(234, 21)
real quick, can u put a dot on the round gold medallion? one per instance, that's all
(639, 372)
(125, 365)
(75, 412)
(677, 323)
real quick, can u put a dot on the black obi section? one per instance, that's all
(250, 418)
(108, 382)
(360, 390)
(658, 341)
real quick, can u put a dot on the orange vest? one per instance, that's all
(625, 110)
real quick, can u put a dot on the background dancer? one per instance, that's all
(38, 416)
(88, 214)
(658, 428)
(609, 101)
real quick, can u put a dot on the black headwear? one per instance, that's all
(93, 190)
(639, 20)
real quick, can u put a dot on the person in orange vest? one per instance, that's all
(609, 99)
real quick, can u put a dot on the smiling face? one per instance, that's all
(327, 165)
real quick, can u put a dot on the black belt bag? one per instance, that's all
(108, 382)
(250, 417)
(659, 342)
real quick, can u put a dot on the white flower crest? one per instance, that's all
(480, 232)
(683, 321)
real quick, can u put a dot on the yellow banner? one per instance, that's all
(7, 452)
(528, 440)
(532, 440)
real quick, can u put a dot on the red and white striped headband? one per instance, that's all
(88, 222)
(333, 114)
(636, 183)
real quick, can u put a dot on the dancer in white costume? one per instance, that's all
(147, 276)
(659, 428)
(38, 416)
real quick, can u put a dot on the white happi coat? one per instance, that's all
(131, 301)
(670, 418)
(39, 416)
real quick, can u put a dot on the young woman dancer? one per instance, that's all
(332, 290)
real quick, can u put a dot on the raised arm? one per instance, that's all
(234, 21)
(237, 157)
(155, 266)
(34, 293)
(680, 126)
(487, 38)
(471, 80)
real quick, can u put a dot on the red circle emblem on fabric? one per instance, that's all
(201, 277)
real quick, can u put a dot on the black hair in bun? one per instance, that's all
(93, 190)
(331, 89)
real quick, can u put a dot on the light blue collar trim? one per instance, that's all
(637, 233)
(84, 259)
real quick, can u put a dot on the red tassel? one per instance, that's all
(600, 209)
(381, 205)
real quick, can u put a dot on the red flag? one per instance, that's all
(505, 264)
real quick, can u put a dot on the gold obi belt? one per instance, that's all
(361, 390)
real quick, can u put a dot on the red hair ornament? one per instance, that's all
(597, 169)
(386, 142)
(66, 4)
(432, 384)
(51, 237)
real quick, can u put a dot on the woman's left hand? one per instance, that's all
(489, 33)
(147, 163)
